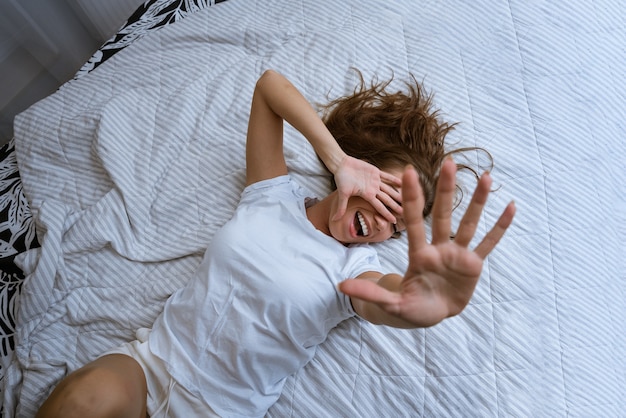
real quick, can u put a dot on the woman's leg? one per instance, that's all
(111, 386)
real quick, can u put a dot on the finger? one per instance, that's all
(391, 191)
(413, 203)
(391, 198)
(444, 200)
(383, 210)
(390, 179)
(369, 291)
(493, 237)
(469, 222)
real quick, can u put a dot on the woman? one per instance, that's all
(281, 274)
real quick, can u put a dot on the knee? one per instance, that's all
(95, 392)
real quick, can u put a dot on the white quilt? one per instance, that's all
(132, 168)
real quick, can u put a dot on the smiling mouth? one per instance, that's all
(360, 225)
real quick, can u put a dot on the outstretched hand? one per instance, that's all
(359, 178)
(441, 275)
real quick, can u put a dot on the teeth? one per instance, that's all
(363, 225)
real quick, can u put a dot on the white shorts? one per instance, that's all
(166, 398)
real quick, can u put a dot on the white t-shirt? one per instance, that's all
(263, 298)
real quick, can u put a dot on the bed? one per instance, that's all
(115, 184)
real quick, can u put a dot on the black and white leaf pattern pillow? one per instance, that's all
(17, 232)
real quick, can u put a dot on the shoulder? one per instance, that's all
(283, 188)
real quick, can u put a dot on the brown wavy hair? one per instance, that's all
(393, 129)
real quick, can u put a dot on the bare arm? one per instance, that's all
(276, 100)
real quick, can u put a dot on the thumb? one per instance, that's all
(368, 291)
(342, 205)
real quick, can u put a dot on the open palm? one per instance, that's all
(358, 178)
(441, 275)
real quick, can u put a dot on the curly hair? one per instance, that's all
(393, 129)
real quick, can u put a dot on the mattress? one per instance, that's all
(129, 170)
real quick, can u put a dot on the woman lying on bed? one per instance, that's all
(281, 273)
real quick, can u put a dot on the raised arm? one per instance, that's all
(276, 100)
(441, 275)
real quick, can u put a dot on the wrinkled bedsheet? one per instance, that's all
(130, 170)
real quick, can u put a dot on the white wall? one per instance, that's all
(105, 17)
(44, 42)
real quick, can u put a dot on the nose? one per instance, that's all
(382, 224)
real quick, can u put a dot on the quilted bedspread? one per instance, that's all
(130, 170)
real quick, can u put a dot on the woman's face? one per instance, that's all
(363, 224)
